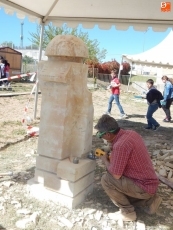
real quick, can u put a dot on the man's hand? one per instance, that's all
(117, 177)
(109, 87)
(115, 85)
(105, 160)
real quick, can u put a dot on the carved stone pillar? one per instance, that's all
(66, 123)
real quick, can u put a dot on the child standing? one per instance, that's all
(115, 92)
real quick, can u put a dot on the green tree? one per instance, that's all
(32, 47)
(126, 68)
(95, 53)
(27, 60)
(7, 44)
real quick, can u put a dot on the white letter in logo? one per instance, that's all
(163, 4)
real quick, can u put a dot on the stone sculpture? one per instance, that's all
(66, 122)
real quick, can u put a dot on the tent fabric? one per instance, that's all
(160, 55)
(119, 13)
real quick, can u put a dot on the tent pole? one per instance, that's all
(50, 10)
(130, 77)
(39, 59)
(120, 67)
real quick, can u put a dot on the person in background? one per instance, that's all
(167, 98)
(153, 97)
(7, 68)
(2, 69)
(115, 92)
(130, 180)
(7, 71)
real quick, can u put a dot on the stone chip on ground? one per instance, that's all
(65, 222)
(170, 174)
(140, 225)
(156, 152)
(35, 217)
(23, 223)
(162, 172)
(7, 183)
(90, 211)
(23, 211)
(98, 215)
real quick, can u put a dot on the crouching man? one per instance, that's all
(130, 180)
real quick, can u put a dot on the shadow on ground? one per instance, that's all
(135, 116)
(2, 228)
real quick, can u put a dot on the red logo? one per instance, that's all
(165, 6)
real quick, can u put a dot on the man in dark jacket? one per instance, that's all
(153, 99)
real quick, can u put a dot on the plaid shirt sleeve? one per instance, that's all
(119, 158)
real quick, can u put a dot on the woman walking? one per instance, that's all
(167, 98)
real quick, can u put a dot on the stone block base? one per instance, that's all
(65, 182)
(47, 164)
(41, 193)
(73, 172)
(67, 188)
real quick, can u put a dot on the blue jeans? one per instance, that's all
(151, 109)
(116, 98)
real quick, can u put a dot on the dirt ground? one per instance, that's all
(18, 154)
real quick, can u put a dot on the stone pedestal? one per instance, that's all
(68, 186)
(66, 122)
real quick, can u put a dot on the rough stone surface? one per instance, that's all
(70, 189)
(67, 46)
(46, 163)
(42, 193)
(66, 115)
(67, 109)
(73, 172)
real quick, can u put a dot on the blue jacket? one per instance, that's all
(168, 90)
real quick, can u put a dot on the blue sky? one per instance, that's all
(116, 42)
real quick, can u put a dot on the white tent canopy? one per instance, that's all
(122, 14)
(160, 55)
(140, 14)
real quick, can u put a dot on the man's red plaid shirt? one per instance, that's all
(130, 158)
